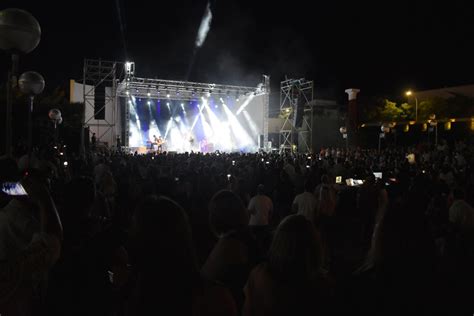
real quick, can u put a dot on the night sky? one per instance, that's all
(382, 48)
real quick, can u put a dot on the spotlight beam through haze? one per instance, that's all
(244, 104)
(204, 28)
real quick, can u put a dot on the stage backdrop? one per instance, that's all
(204, 124)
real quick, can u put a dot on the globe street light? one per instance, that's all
(385, 128)
(408, 94)
(31, 83)
(55, 117)
(343, 131)
(20, 33)
(434, 125)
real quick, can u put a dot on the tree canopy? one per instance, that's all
(384, 110)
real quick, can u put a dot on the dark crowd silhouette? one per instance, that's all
(335, 231)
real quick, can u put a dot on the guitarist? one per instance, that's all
(159, 142)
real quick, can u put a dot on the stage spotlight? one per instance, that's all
(149, 102)
(139, 99)
(167, 103)
(168, 96)
(182, 104)
(127, 92)
(148, 94)
(216, 106)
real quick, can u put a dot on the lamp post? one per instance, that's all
(409, 93)
(434, 125)
(385, 128)
(20, 33)
(343, 131)
(56, 118)
(31, 83)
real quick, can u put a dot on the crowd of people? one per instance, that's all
(231, 233)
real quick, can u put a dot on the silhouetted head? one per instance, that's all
(162, 237)
(295, 254)
(79, 196)
(227, 213)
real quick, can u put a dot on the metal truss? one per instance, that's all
(290, 91)
(95, 73)
(181, 90)
(266, 110)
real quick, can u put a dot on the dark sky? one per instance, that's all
(381, 48)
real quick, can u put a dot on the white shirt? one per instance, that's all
(260, 207)
(306, 205)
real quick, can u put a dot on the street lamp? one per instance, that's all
(385, 128)
(31, 83)
(343, 131)
(20, 33)
(434, 125)
(408, 94)
(55, 117)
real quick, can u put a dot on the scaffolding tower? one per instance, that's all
(97, 73)
(290, 135)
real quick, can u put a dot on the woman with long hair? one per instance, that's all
(167, 278)
(291, 281)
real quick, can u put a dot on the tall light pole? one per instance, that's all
(343, 131)
(409, 93)
(20, 33)
(31, 83)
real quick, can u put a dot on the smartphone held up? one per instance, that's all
(14, 189)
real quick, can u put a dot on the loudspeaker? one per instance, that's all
(99, 102)
(299, 111)
(260, 141)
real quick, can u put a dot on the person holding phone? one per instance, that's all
(28, 247)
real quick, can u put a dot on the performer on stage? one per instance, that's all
(159, 143)
(204, 145)
(191, 141)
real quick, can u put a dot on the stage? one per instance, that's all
(188, 116)
(204, 125)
